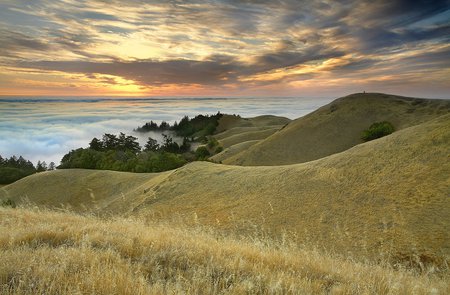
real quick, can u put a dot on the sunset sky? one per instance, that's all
(224, 47)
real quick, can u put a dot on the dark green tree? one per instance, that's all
(96, 144)
(41, 166)
(110, 141)
(377, 130)
(169, 145)
(202, 153)
(151, 145)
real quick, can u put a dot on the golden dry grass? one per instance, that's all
(246, 136)
(385, 197)
(232, 150)
(338, 126)
(44, 252)
(234, 133)
(228, 122)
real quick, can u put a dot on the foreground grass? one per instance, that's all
(45, 252)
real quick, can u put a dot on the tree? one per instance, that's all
(164, 125)
(110, 141)
(51, 166)
(377, 130)
(96, 144)
(151, 145)
(41, 166)
(169, 145)
(185, 146)
(202, 153)
(131, 144)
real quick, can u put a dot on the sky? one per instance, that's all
(221, 48)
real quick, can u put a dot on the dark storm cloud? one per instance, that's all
(14, 41)
(209, 72)
(438, 59)
(282, 59)
(403, 12)
(356, 65)
(373, 39)
(216, 70)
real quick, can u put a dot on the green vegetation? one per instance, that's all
(377, 130)
(123, 153)
(212, 142)
(197, 127)
(202, 153)
(14, 168)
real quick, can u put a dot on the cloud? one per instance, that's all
(206, 44)
(13, 42)
(283, 59)
(48, 128)
(148, 72)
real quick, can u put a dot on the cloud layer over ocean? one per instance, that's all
(48, 128)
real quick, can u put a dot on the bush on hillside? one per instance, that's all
(202, 153)
(377, 130)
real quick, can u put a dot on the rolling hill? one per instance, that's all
(384, 199)
(336, 127)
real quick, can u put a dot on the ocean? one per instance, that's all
(46, 128)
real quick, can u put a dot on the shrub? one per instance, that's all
(202, 153)
(212, 142)
(218, 149)
(377, 130)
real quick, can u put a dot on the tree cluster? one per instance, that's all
(152, 126)
(111, 142)
(15, 168)
(197, 127)
(123, 153)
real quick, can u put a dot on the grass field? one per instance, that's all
(45, 252)
(373, 219)
(337, 127)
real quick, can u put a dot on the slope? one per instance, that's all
(77, 189)
(387, 197)
(45, 252)
(336, 127)
(235, 133)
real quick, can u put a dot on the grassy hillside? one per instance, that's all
(227, 122)
(386, 199)
(77, 189)
(46, 252)
(246, 136)
(232, 151)
(235, 133)
(338, 126)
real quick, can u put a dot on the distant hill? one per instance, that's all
(336, 127)
(384, 197)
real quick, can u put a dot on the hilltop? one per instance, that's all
(336, 127)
